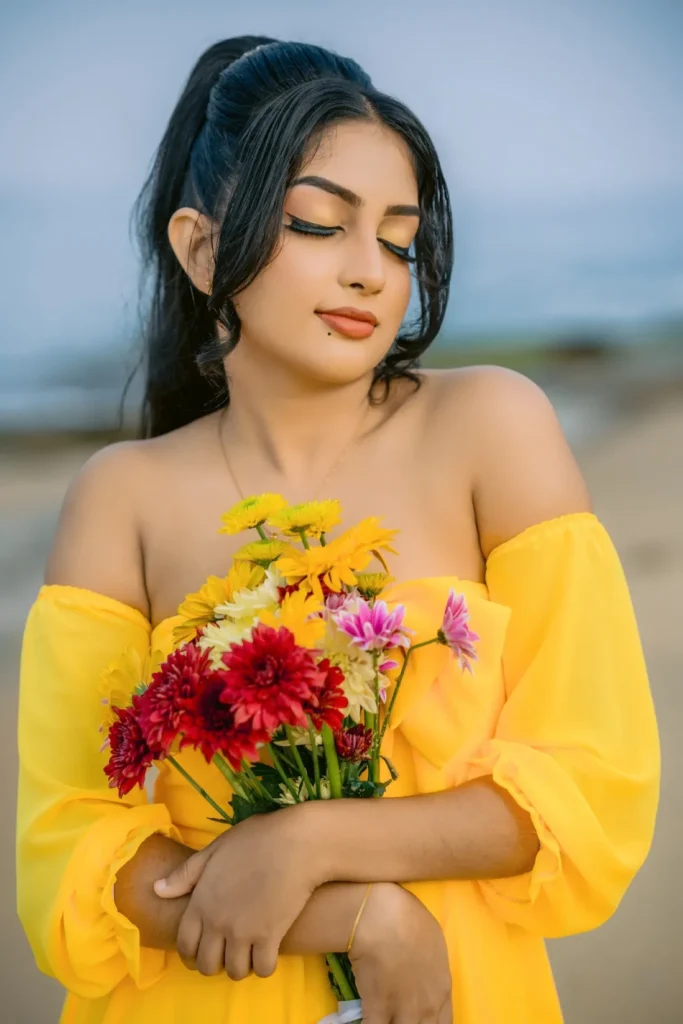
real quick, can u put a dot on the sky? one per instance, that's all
(559, 126)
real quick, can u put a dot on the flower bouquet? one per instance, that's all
(284, 673)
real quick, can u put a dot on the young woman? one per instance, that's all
(289, 212)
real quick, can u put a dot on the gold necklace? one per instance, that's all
(335, 465)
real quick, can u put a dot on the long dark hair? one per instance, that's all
(237, 138)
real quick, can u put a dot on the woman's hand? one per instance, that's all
(248, 887)
(400, 961)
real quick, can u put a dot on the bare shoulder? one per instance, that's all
(96, 544)
(523, 470)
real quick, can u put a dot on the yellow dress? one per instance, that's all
(558, 711)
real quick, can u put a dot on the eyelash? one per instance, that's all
(305, 227)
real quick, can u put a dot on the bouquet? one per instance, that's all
(284, 673)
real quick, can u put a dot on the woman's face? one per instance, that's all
(348, 223)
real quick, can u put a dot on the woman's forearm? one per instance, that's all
(474, 831)
(324, 925)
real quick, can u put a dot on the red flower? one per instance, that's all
(130, 753)
(330, 700)
(210, 726)
(270, 680)
(166, 701)
(354, 744)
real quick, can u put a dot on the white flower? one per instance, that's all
(218, 636)
(247, 603)
(358, 669)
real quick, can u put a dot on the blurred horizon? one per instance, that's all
(559, 131)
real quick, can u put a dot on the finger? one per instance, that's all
(264, 959)
(188, 939)
(183, 878)
(211, 953)
(237, 960)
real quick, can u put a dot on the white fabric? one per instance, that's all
(348, 1011)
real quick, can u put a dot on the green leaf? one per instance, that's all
(243, 809)
(392, 770)
(365, 789)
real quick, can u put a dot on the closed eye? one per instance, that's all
(306, 227)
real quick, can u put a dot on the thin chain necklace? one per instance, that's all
(335, 465)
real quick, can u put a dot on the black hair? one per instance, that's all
(238, 136)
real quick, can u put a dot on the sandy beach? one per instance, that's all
(626, 972)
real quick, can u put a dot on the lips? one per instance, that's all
(351, 322)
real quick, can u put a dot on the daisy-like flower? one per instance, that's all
(357, 667)
(455, 631)
(330, 702)
(287, 798)
(264, 552)
(337, 562)
(248, 601)
(130, 753)
(251, 512)
(374, 627)
(270, 680)
(301, 614)
(219, 637)
(315, 517)
(354, 744)
(198, 609)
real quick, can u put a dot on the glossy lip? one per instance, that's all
(351, 313)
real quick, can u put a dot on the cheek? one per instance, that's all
(287, 290)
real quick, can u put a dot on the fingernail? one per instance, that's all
(160, 885)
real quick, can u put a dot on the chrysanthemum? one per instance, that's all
(353, 744)
(270, 679)
(329, 703)
(129, 673)
(219, 637)
(204, 606)
(455, 632)
(357, 667)
(249, 601)
(315, 517)
(210, 726)
(371, 584)
(130, 754)
(300, 613)
(251, 512)
(164, 706)
(374, 627)
(264, 552)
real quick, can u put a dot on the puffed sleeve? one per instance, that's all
(576, 743)
(73, 832)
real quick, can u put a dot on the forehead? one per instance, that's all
(367, 158)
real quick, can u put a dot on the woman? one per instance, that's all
(287, 205)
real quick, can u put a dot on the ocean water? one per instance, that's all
(610, 269)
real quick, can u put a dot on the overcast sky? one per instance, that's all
(529, 102)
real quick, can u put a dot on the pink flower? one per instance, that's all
(374, 627)
(455, 631)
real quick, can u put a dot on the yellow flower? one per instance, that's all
(299, 612)
(198, 609)
(263, 552)
(202, 607)
(315, 517)
(251, 512)
(128, 672)
(338, 561)
(249, 601)
(371, 584)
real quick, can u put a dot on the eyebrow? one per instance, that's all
(349, 197)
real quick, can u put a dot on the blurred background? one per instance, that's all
(560, 129)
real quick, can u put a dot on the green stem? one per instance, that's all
(397, 687)
(278, 768)
(256, 782)
(299, 763)
(339, 975)
(374, 753)
(228, 773)
(304, 538)
(261, 532)
(314, 754)
(202, 792)
(333, 773)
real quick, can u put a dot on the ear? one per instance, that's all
(191, 235)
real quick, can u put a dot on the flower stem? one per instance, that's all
(278, 768)
(299, 763)
(232, 776)
(304, 538)
(253, 778)
(314, 754)
(261, 532)
(333, 773)
(339, 975)
(202, 792)
(397, 687)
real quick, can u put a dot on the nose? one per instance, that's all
(364, 264)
